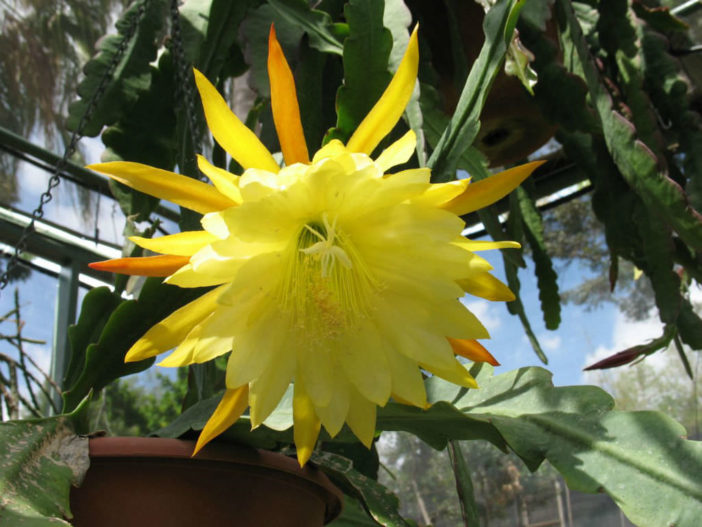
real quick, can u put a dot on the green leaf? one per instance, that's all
(464, 484)
(668, 85)
(312, 80)
(638, 458)
(317, 24)
(659, 18)
(39, 461)
(658, 248)
(515, 231)
(353, 515)
(144, 131)
(380, 503)
(132, 74)
(436, 425)
(537, 13)
(210, 29)
(689, 325)
(256, 27)
(194, 418)
(561, 96)
(516, 307)
(637, 163)
(464, 125)
(365, 460)
(195, 18)
(366, 75)
(547, 280)
(104, 359)
(97, 307)
(620, 34)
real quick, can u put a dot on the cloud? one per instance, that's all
(485, 311)
(550, 342)
(41, 354)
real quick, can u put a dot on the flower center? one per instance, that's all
(325, 249)
(327, 287)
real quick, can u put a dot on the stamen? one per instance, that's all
(327, 288)
(326, 249)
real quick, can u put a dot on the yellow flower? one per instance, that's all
(332, 274)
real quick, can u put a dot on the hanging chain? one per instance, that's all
(70, 149)
(184, 77)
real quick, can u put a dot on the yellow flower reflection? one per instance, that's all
(335, 274)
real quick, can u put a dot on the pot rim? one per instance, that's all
(166, 448)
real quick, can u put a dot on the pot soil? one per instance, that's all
(135, 482)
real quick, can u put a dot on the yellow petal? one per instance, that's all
(267, 389)
(317, 371)
(407, 382)
(411, 176)
(399, 399)
(187, 276)
(457, 374)
(228, 411)
(181, 190)
(224, 181)
(439, 193)
(361, 418)
(182, 244)
(286, 112)
(334, 414)
(388, 110)
(240, 142)
(332, 149)
(162, 265)
(488, 287)
(480, 245)
(476, 263)
(472, 350)
(183, 354)
(209, 339)
(489, 190)
(399, 152)
(307, 424)
(174, 328)
(365, 363)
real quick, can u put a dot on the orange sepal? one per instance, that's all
(161, 265)
(286, 111)
(472, 350)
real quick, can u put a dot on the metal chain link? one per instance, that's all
(184, 77)
(76, 136)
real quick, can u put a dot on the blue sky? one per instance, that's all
(580, 333)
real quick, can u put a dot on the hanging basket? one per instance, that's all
(512, 125)
(139, 482)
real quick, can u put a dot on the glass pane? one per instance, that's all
(72, 207)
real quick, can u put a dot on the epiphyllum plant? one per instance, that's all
(335, 273)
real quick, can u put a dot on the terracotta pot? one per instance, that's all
(136, 482)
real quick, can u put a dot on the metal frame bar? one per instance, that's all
(22, 149)
(64, 316)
